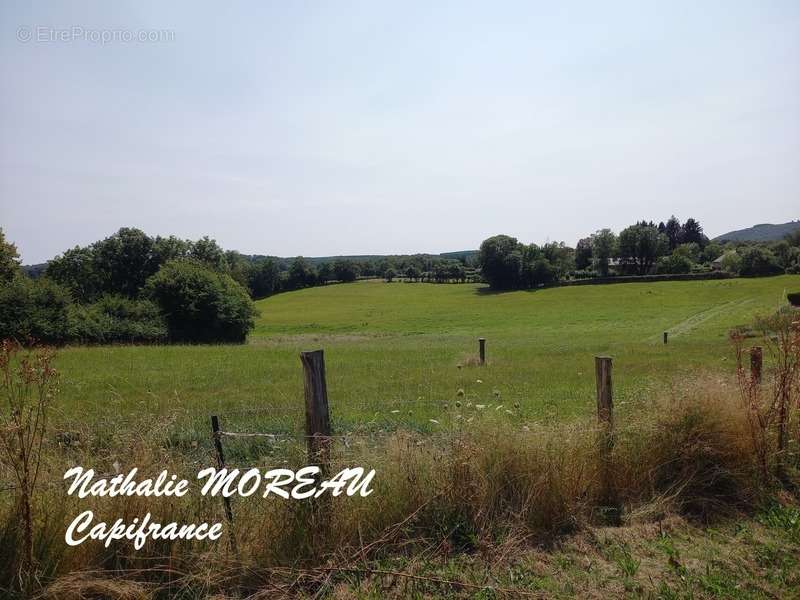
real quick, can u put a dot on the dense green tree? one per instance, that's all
(583, 254)
(200, 304)
(9, 259)
(675, 263)
(413, 272)
(500, 259)
(389, 274)
(692, 232)
(345, 270)
(124, 261)
(264, 278)
(758, 261)
(673, 232)
(604, 247)
(169, 248)
(208, 252)
(711, 252)
(639, 247)
(324, 273)
(301, 274)
(75, 269)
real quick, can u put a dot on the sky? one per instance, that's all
(327, 128)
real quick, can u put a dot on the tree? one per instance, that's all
(604, 246)
(673, 232)
(265, 278)
(731, 262)
(75, 269)
(207, 251)
(301, 274)
(640, 246)
(692, 232)
(500, 260)
(691, 251)
(711, 252)
(412, 273)
(583, 254)
(169, 248)
(675, 263)
(324, 273)
(9, 259)
(758, 261)
(124, 261)
(389, 274)
(201, 304)
(344, 270)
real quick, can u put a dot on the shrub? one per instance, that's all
(759, 262)
(731, 262)
(674, 264)
(201, 305)
(34, 309)
(117, 319)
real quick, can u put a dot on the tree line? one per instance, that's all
(130, 287)
(643, 248)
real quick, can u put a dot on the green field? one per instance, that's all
(398, 354)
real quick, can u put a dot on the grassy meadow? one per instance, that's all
(397, 354)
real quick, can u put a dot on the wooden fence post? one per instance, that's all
(666, 335)
(318, 422)
(756, 362)
(217, 435)
(482, 349)
(605, 417)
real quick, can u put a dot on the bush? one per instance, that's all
(674, 264)
(34, 309)
(758, 261)
(201, 305)
(117, 319)
(794, 298)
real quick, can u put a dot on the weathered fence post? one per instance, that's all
(217, 435)
(605, 417)
(666, 336)
(482, 349)
(318, 422)
(756, 362)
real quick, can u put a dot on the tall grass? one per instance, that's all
(686, 450)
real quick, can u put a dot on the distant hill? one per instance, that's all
(765, 232)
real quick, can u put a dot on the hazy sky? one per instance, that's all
(323, 128)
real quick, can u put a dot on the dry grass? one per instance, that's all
(484, 486)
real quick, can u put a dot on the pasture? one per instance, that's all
(397, 354)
